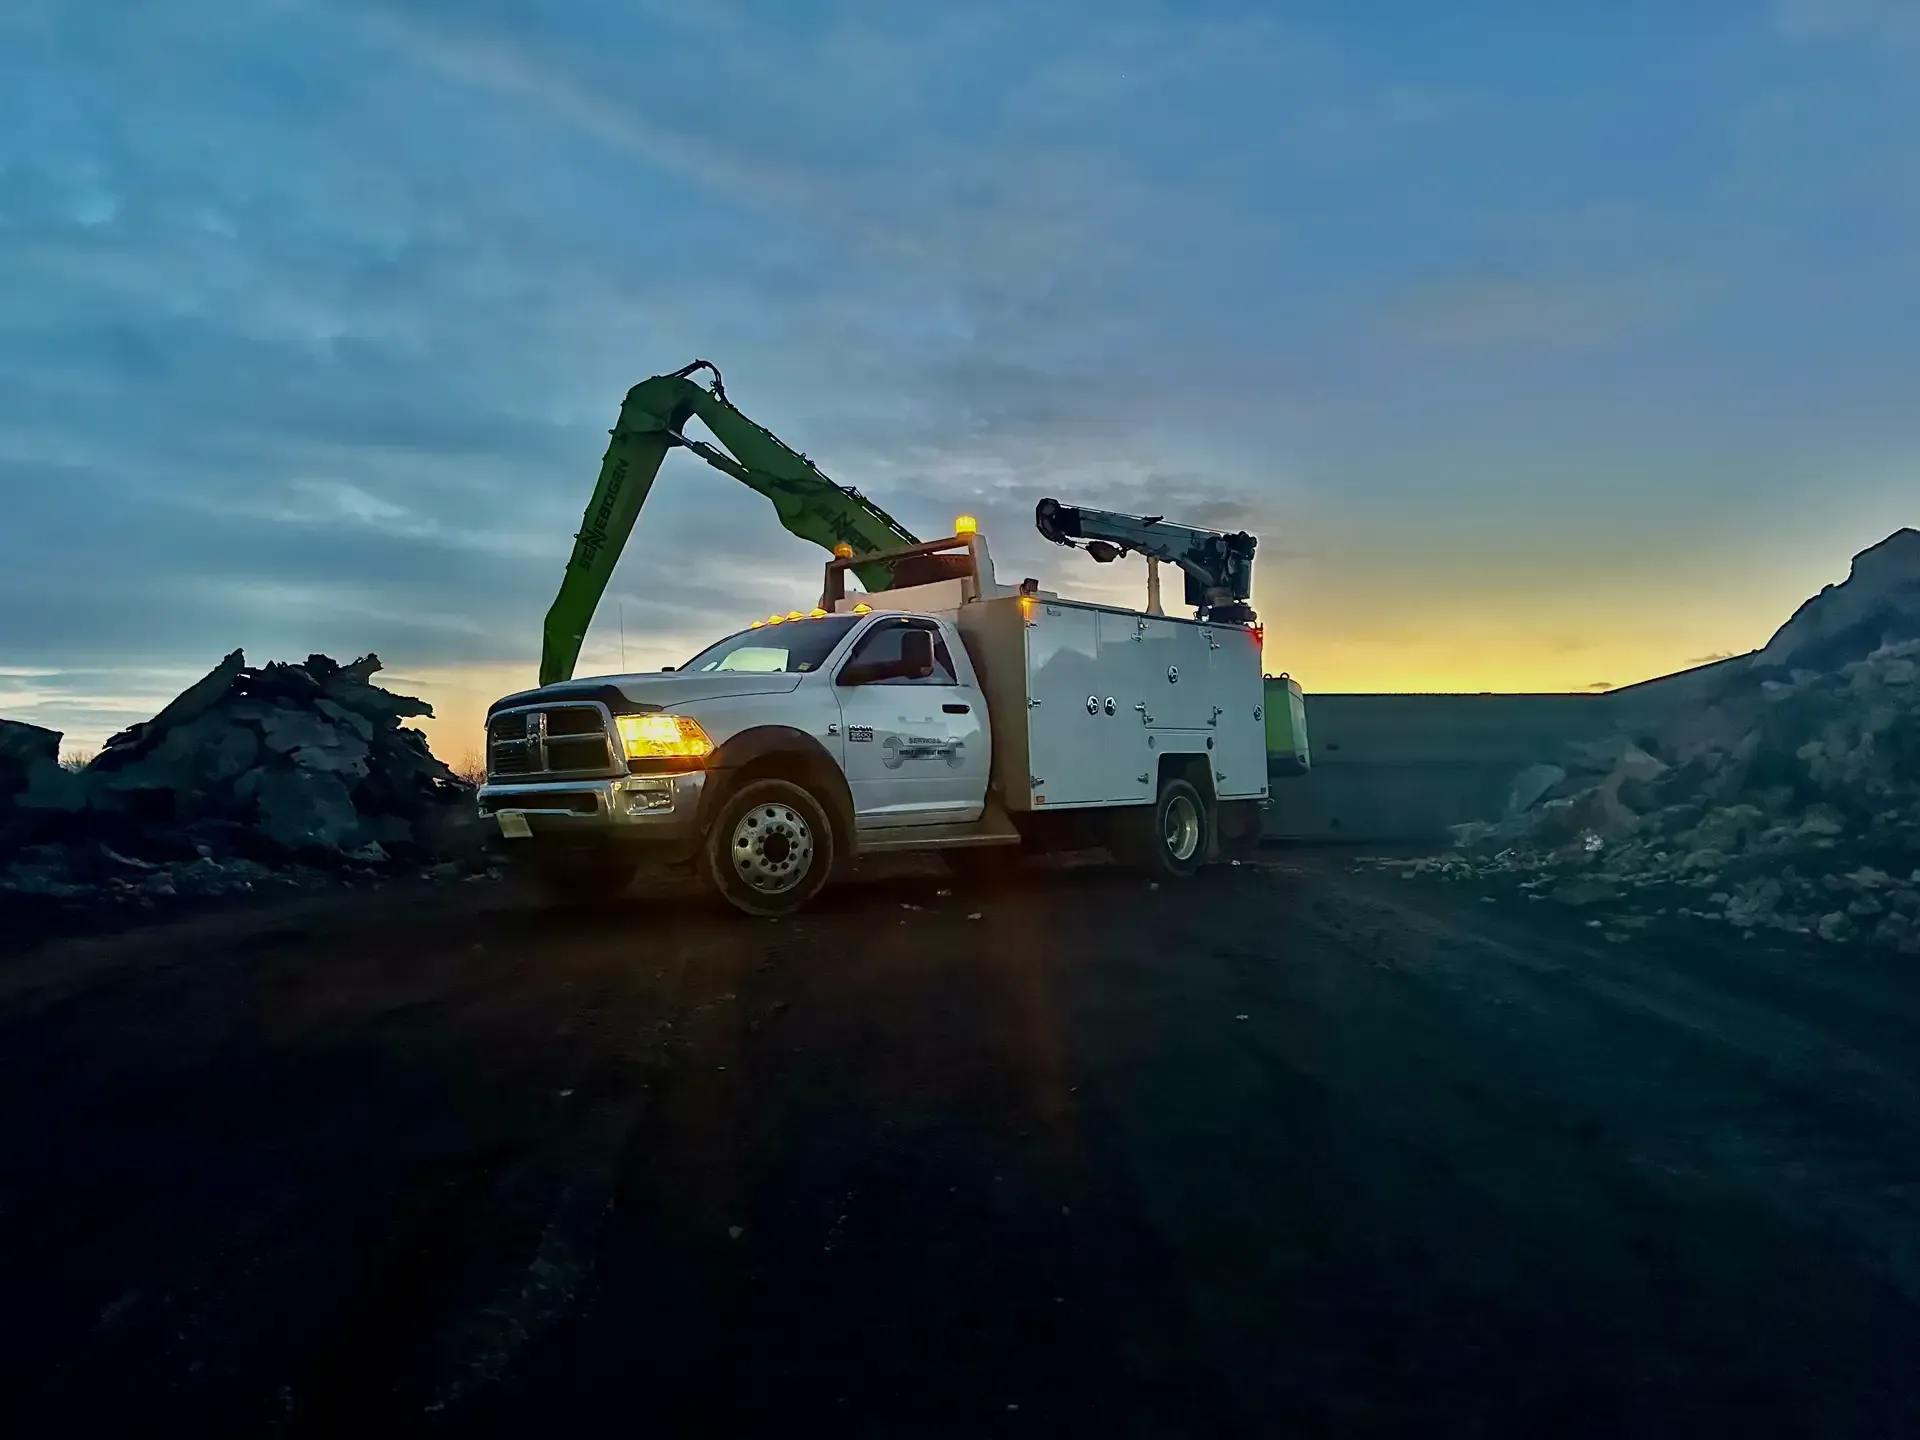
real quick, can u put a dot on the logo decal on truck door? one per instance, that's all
(857, 733)
(920, 747)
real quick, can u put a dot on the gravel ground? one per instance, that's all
(1289, 1150)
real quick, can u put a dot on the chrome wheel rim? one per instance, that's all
(1181, 828)
(772, 848)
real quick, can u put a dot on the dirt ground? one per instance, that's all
(1289, 1150)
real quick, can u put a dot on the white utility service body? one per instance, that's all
(1032, 707)
(1085, 700)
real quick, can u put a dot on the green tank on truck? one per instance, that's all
(1286, 717)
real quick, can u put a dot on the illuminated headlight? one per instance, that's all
(663, 737)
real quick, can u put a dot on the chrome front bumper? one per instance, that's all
(632, 806)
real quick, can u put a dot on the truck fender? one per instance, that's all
(801, 755)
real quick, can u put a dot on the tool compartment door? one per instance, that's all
(1063, 668)
(1084, 738)
(1127, 763)
(1239, 692)
(1174, 661)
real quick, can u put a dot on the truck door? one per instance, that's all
(914, 733)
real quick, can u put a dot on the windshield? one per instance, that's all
(792, 648)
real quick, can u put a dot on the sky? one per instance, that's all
(1540, 353)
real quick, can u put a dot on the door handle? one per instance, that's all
(955, 709)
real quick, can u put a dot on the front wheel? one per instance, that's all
(770, 849)
(1168, 839)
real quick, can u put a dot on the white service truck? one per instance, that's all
(946, 712)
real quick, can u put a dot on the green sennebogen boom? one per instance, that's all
(808, 503)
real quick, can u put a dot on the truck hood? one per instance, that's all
(639, 694)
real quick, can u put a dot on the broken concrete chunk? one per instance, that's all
(288, 728)
(354, 721)
(347, 756)
(52, 787)
(211, 746)
(1529, 786)
(21, 744)
(1585, 892)
(302, 810)
(130, 744)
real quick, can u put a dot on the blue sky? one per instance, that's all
(1540, 353)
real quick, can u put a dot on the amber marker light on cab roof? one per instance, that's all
(843, 551)
(965, 525)
(816, 613)
(863, 609)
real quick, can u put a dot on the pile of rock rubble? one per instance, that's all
(282, 773)
(1787, 801)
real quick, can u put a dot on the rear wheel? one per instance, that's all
(770, 849)
(1168, 839)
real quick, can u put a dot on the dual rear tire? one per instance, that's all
(1168, 840)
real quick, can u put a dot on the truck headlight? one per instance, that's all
(663, 737)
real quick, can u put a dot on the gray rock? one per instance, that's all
(1880, 594)
(387, 829)
(1585, 892)
(353, 720)
(189, 704)
(1529, 786)
(288, 728)
(50, 786)
(1823, 820)
(348, 758)
(211, 747)
(304, 810)
(22, 744)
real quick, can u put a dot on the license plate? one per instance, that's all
(514, 825)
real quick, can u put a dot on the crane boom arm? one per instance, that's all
(651, 420)
(1218, 565)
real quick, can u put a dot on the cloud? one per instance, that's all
(1894, 22)
(1491, 311)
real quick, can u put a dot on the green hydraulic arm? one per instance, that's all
(651, 418)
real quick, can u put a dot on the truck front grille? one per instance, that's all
(550, 740)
